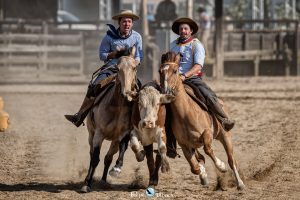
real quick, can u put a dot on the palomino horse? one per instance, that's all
(192, 126)
(110, 119)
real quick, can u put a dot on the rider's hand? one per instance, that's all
(182, 77)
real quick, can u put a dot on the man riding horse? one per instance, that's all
(190, 68)
(114, 45)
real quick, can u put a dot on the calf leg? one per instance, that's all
(150, 164)
(207, 137)
(96, 142)
(161, 140)
(136, 147)
(116, 170)
(113, 149)
(227, 143)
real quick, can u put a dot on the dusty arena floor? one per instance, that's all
(42, 156)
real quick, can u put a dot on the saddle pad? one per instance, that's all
(189, 90)
(103, 92)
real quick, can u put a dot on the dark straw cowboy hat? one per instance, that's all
(184, 20)
(126, 13)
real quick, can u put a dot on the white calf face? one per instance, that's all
(150, 100)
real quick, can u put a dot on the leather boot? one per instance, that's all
(87, 104)
(218, 111)
(77, 118)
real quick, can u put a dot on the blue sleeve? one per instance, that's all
(104, 48)
(199, 54)
(139, 49)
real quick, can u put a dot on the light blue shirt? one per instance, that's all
(110, 44)
(187, 61)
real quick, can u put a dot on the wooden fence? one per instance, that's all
(41, 54)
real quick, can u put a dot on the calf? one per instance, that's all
(148, 118)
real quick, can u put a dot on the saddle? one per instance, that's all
(103, 87)
(196, 95)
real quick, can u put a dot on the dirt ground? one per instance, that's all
(42, 156)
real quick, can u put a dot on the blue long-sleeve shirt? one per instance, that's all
(189, 58)
(110, 44)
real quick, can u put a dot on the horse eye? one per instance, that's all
(174, 71)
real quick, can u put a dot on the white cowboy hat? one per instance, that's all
(126, 13)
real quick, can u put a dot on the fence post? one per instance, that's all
(297, 46)
(44, 49)
(81, 53)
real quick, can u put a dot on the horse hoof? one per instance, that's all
(241, 187)
(85, 189)
(204, 181)
(140, 156)
(115, 172)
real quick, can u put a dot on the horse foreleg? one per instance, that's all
(201, 159)
(136, 147)
(150, 163)
(116, 170)
(207, 137)
(196, 168)
(227, 143)
(161, 141)
(96, 143)
(189, 154)
(113, 149)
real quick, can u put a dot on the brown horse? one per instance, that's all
(110, 119)
(192, 126)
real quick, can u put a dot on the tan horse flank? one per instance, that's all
(110, 119)
(192, 126)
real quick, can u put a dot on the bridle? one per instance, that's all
(164, 67)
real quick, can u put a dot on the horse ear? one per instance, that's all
(163, 58)
(177, 58)
(132, 51)
(166, 98)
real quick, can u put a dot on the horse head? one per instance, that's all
(169, 72)
(127, 74)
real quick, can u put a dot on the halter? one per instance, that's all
(135, 83)
(170, 63)
(172, 89)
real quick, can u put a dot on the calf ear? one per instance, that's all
(166, 98)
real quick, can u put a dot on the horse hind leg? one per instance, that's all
(227, 144)
(207, 137)
(95, 147)
(113, 149)
(116, 170)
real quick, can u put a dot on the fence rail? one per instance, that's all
(42, 53)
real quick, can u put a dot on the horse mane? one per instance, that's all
(169, 57)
